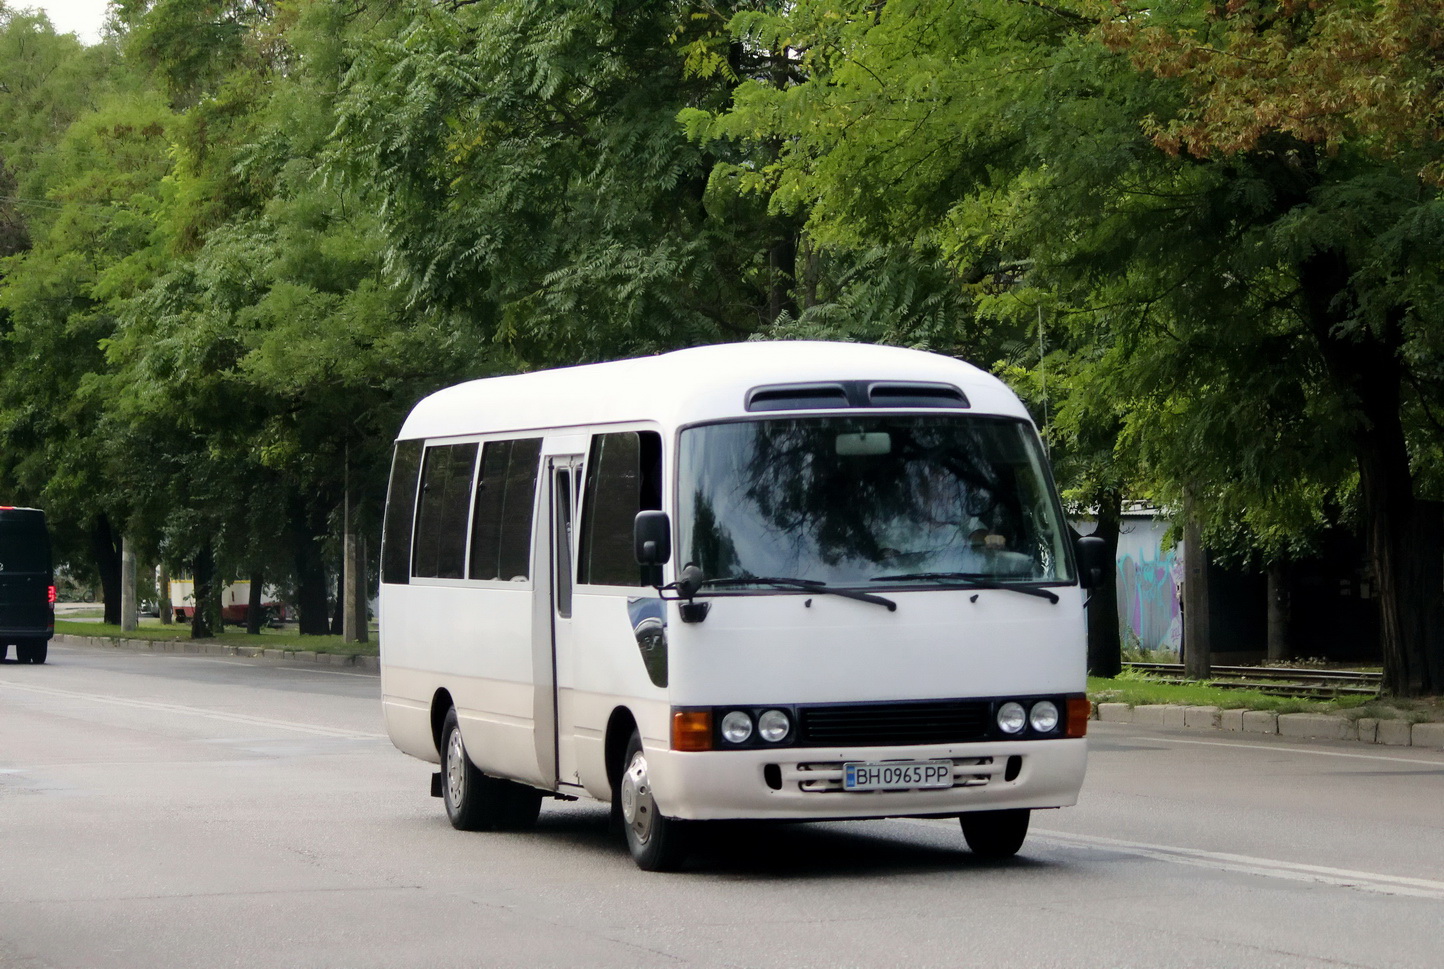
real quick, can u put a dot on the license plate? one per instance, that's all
(897, 776)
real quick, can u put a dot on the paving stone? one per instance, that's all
(1429, 735)
(1260, 721)
(1205, 717)
(1115, 713)
(1316, 726)
(1149, 715)
(1395, 733)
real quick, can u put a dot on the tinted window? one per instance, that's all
(859, 500)
(400, 509)
(24, 543)
(562, 541)
(441, 520)
(505, 496)
(624, 473)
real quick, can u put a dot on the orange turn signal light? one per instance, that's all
(692, 730)
(1078, 713)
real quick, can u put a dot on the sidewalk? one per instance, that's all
(369, 664)
(1293, 726)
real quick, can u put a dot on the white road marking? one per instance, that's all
(1366, 881)
(1268, 867)
(157, 706)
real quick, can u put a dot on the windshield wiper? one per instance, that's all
(970, 580)
(809, 585)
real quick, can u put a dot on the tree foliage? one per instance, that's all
(1201, 239)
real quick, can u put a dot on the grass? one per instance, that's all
(1139, 689)
(266, 639)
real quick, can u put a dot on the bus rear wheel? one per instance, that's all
(656, 842)
(475, 801)
(995, 835)
(31, 651)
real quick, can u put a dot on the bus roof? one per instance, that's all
(687, 386)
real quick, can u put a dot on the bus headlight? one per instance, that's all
(1044, 716)
(773, 726)
(736, 727)
(1012, 718)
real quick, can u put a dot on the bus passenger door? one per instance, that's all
(565, 472)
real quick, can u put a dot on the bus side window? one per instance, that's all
(624, 475)
(400, 512)
(505, 499)
(440, 546)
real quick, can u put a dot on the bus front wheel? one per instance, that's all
(995, 834)
(657, 842)
(474, 801)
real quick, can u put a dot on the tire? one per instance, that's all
(657, 842)
(31, 651)
(4, 651)
(474, 801)
(995, 835)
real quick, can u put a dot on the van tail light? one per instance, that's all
(51, 594)
(1079, 712)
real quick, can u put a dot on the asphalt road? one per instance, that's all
(162, 810)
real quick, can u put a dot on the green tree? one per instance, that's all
(60, 298)
(1019, 140)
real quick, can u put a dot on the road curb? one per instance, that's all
(1293, 726)
(370, 664)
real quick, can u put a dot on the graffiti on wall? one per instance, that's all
(1148, 601)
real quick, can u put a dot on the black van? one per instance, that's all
(27, 584)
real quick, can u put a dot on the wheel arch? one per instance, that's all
(441, 702)
(620, 726)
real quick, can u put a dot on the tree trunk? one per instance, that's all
(1401, 533)
(105, 546)
(1105, 643)
(167, 612)
(1279, 594)
(310, 575)
(1197, 637)
(353, 580)
(782, 261)
(129, 614)
(204, 616)
(255, 612)
(338, 606)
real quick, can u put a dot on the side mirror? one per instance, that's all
(652, 544)
(652, 538)
(1092, 561)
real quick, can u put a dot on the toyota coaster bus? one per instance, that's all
(779, 581)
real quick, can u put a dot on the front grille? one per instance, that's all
(894, 724)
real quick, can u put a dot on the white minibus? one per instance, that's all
(786, 580)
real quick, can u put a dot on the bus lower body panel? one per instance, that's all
(798, 783)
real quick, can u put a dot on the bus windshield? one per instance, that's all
(874, 501)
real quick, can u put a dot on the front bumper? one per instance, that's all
(802, 783)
